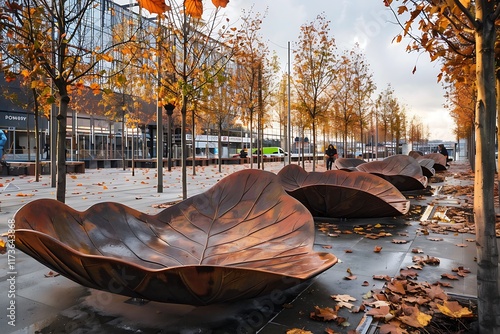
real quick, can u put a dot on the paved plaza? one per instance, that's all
(50, 303)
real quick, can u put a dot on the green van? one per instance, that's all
(273, 151)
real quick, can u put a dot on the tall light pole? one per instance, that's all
(170, 110)
(289, 121)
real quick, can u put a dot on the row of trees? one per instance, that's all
(333, 93)
(217, 74)
(462, 35)
(59, 50)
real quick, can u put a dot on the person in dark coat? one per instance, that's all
(331, 155)
(442, 150)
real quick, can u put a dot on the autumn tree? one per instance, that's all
(61, 49)
(193, 52)
(350, 94)
(417, 133)
(391, 117)
(459, 78)
(314, 70)
(362, 89)
(439, 23)
(281, 99)
(254, 75)
(29, 96)
(18, 62)
(461, 100)
(218, 106)
(266, 96)
(398, 126)
(126, 96)
(301, 121)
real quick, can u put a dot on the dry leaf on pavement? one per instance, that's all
(454, 310)
(324, 314)
(343, 298)
(414, 317)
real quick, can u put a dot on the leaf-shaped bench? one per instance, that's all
(440, 163)
(242, 238)
(415, 154)
(426, 163)
(348, 164)
(343, 194)
(403, 171)
(427, 166)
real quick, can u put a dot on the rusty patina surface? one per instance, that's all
(403, 171)
(416, 154)
(349, 164)
(243, 238)
(343, 194)
(439, 161)
(427, 164)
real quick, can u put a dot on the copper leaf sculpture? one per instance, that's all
(242, 238)
(348, 163)
(416, 154)
(343, 194)
(403, 171)
(439, 161)
(427, 166)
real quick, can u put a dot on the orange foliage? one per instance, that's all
(194, 8)
(220, 3)
(154, 6)
(95, 88)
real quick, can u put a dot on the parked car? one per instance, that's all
(273, 151)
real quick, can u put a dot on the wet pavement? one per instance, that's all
(45, 303)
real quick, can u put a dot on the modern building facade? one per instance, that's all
(91, 134)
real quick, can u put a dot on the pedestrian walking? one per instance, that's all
(331, 155)
(3, 141)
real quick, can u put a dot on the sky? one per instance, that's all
(372, 25)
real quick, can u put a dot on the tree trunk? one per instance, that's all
(219, 146)
(37, 136)
(62, 120)
(362, 140)
(193, 141)
(251, 138)
(344, 140)
(124, 161)
(314, 143)
(484, 210)
(133, 155)
(498, 132)
(183, 146)
(260, 121)
(302, 141)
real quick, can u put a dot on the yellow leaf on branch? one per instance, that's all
(220, 3)
(194, 8)
(154, 6)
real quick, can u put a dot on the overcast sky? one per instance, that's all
(370, 24)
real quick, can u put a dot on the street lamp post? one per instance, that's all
(170, 110)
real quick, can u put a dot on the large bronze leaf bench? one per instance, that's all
(243, 238)
(348, 164)
(440, 163)
(343, 194)
(403, 171)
